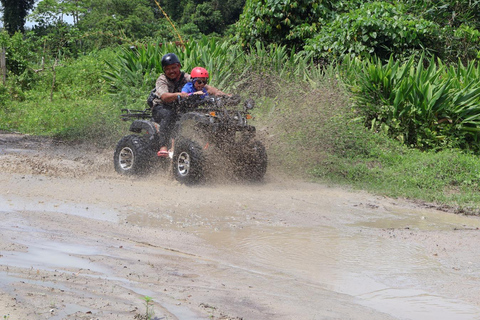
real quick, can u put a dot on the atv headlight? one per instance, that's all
(249, 104)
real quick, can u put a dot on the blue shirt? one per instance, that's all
(189, 88)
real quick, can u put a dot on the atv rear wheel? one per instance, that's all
(188, 162)
(133, 155)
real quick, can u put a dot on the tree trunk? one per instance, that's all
(3, 65)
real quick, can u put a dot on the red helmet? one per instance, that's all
(199, 72)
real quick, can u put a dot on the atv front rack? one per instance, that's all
(191, 103)
(128, 114)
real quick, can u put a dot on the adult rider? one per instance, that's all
(168, 89)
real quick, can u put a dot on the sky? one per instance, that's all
(29, 24)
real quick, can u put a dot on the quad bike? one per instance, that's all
(210, 132)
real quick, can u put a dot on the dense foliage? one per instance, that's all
(377, 28)
(284, 22)
(430, 106)
(333, 29)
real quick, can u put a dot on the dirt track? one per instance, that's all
(80, 242)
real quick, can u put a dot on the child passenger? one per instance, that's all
(198, 84)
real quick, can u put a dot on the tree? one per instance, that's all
(15, 13)
(210, 16)
(174, 8)
(208, 19)
(286, 22)
(53, 12)
(377, 28)
(231, 10)
(122, 18)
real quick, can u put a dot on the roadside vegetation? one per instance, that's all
(367, 94)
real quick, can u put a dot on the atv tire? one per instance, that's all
(133, 156)
(252, 162)
(188, 162)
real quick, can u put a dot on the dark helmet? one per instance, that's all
(168, 59)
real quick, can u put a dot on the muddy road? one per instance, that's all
(80, 242)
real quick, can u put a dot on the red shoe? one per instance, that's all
(163, 153)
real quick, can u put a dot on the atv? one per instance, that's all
(209, 132)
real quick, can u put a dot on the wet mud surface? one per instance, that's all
(78, 241)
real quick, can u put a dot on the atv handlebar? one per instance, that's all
(193, 102)
(216, 102)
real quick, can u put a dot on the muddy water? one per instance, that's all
(41, 251)
(90, 211)
(381, 274)
(283, 251)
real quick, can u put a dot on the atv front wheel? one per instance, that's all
(188, 162)
(252, 162)
(133, 155)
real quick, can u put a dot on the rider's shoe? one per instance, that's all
(163, 152)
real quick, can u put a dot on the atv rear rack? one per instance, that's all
(128, 114)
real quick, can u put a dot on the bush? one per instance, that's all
(378, 28)
(280, 22)
(19, 51)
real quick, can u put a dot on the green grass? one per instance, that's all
(71, 103)
(446, 178)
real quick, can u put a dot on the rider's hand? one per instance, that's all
(183, 94)
(198, 92)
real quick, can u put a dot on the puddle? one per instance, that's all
(383, 275)
(51, 262)
(418, 304)
(65, 257)
(51, 256)
(421, 220)
(82, 210)
(8, 279)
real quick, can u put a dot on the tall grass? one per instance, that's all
(424, 104)
(136, 69)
